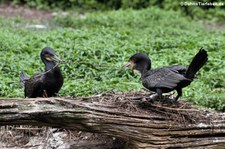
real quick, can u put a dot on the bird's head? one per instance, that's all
(49, 55)
(139, 62)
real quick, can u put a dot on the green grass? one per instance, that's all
(108, 39)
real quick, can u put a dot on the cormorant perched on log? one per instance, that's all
(166, 79)
(45, 84)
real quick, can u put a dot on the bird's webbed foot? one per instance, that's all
(171, 98)
(176, 98)
(153, 97)
(156, 97)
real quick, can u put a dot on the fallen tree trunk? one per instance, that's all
(142, 123)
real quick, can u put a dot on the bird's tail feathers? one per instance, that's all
(23, 78)
(198, 61)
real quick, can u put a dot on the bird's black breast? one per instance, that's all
(53, 82)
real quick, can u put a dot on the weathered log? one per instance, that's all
(142, 123)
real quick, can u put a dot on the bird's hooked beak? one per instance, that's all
(53, 58)
(56, 59)
(129, 64)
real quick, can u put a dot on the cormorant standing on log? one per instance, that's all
(166, 79)
(45, 84)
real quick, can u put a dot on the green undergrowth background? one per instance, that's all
(95, 46)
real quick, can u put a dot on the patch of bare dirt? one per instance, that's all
(212, 25)
(9, 10)
(31, 137)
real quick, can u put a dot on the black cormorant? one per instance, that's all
(166, 79)
(47, 83)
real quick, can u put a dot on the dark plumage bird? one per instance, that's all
(166, 79)
(45, 84)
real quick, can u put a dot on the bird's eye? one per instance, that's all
(138, 61)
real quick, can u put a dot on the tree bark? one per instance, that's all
(131, 117)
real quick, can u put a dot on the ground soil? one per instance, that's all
(8, 10)
(33, 137)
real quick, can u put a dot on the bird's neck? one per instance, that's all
(52, 70)
(49, 65)
(145, 69)
(143, 72)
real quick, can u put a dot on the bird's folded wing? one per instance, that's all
(34, 84)
(163, 78)
(178, 68)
